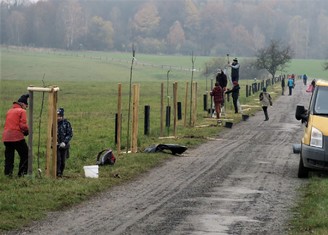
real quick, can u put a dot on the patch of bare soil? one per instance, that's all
(243, 182)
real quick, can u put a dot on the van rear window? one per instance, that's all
(321, 102)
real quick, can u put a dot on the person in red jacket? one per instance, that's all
(15, 129)
(217, 93)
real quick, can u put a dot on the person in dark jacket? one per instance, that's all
(221, 78)
(234, 70)
(217, 94)
(64, 136)
(283, 84)
(15, 129)
(235, 94)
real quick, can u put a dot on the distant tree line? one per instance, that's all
(206, 27)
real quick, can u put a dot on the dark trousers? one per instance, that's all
(290, 90)
(235, 104)
(265, 110)
(61, 159)
(22, 149)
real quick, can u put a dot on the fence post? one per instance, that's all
(119, 119)
(246, 91)
(205, 102)
(147, 125)
(179, 111)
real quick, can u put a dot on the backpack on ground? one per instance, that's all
(106, 157)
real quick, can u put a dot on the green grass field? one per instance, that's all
(88, 83)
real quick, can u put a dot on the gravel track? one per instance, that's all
(243, 182)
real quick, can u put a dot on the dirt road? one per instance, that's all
(243, 182)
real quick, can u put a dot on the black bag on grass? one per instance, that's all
(106, 157)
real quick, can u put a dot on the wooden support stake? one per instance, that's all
(30, 136)
(119, 118)
(175, 105)
(135, 120)
(186, 103)
(49, 136)
(54, 133)
(46, 89)
(194, 107)
(51, 148)
(162, 110)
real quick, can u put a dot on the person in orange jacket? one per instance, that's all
(13, 136)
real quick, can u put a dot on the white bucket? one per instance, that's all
(91, 171)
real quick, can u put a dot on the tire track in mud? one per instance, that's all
(244, 182)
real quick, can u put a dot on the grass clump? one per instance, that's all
(311, 212)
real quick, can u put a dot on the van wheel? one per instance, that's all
(303, 172)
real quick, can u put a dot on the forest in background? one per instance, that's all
(204, 27)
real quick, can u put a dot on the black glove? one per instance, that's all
(25, 133)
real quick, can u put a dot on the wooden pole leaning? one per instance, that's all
(51, 150)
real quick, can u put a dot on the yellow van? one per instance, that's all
(314, 146)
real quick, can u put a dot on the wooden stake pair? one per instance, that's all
(51, 151)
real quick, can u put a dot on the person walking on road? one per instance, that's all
(290, 85)
(283, 84)
(305, 79)
(265, 100)
(13, 137)
(311, 87)
(64, 136)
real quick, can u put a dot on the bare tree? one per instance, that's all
(273, 58)
(325, 65)
(73, 19)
